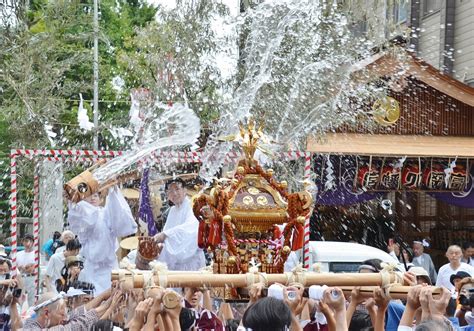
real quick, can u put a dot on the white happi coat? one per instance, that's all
(98, 229)
(180, 251)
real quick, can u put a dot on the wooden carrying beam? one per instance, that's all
(197, 279)
(395, 292)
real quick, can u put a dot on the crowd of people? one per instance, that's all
(78, 293)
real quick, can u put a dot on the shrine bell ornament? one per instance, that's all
(458, 179)
(433, 177)
(390, 177)
(368, 178)
(411, 177)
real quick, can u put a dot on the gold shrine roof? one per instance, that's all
(255, 204)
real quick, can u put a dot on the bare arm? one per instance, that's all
(15, 318)
(356, 299)
(412, 305)
(337, 303)
(207, 300)
(382, 304)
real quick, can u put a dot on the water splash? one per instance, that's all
(176, 126)
(296, 75)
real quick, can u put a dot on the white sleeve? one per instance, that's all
(82, 217)
(181, 240)
(118, 214)
(392, 254)
(50, 268)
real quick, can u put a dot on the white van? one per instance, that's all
(335, 256)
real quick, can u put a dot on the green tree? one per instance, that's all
(175, 57)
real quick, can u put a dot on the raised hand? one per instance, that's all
(409, 279)
(356, 296)
(413, 297)
(297, 302)
(438, 306)
(334, 298)
(255, 292)
(380, 299)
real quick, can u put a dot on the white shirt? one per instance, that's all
(181, 251)
(55, 265)
(24, 258)
(60, 249)
(446, 271)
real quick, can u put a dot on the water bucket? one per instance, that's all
(148, 251)
(81, 186)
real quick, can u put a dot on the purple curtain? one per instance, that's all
(464, 199)
(145, 213)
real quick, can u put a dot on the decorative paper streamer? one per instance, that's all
(329, 174)
(448, 171)
(82, 117)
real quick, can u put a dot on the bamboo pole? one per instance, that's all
(395, 291)
(200, 279)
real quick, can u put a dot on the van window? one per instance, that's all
(338, 267)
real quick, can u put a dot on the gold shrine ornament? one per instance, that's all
(386, 111)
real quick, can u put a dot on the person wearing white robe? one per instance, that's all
(98, 229)
(180, 233)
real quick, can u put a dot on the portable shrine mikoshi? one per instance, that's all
(241, 214)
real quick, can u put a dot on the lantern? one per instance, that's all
(390, 177)
(368, 178)
(458, 179)
(433, 177)
(411, 177)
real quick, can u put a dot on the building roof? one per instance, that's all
(388, 64)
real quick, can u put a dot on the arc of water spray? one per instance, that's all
(177, 126)
(258, 74)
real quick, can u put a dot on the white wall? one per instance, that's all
(464, 40)
(429, 38)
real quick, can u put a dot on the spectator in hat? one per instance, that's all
(25, 261)
(70, 273)
(468, 253)
(421, 275)
(180, 233)
(454, 254)
(57, 261)
(456, 278)
(421, 259)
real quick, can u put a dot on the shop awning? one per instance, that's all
(392, 145)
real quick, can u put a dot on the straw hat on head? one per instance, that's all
(420, 272)
(70, 260)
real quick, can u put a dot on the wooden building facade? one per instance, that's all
(436, 120)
